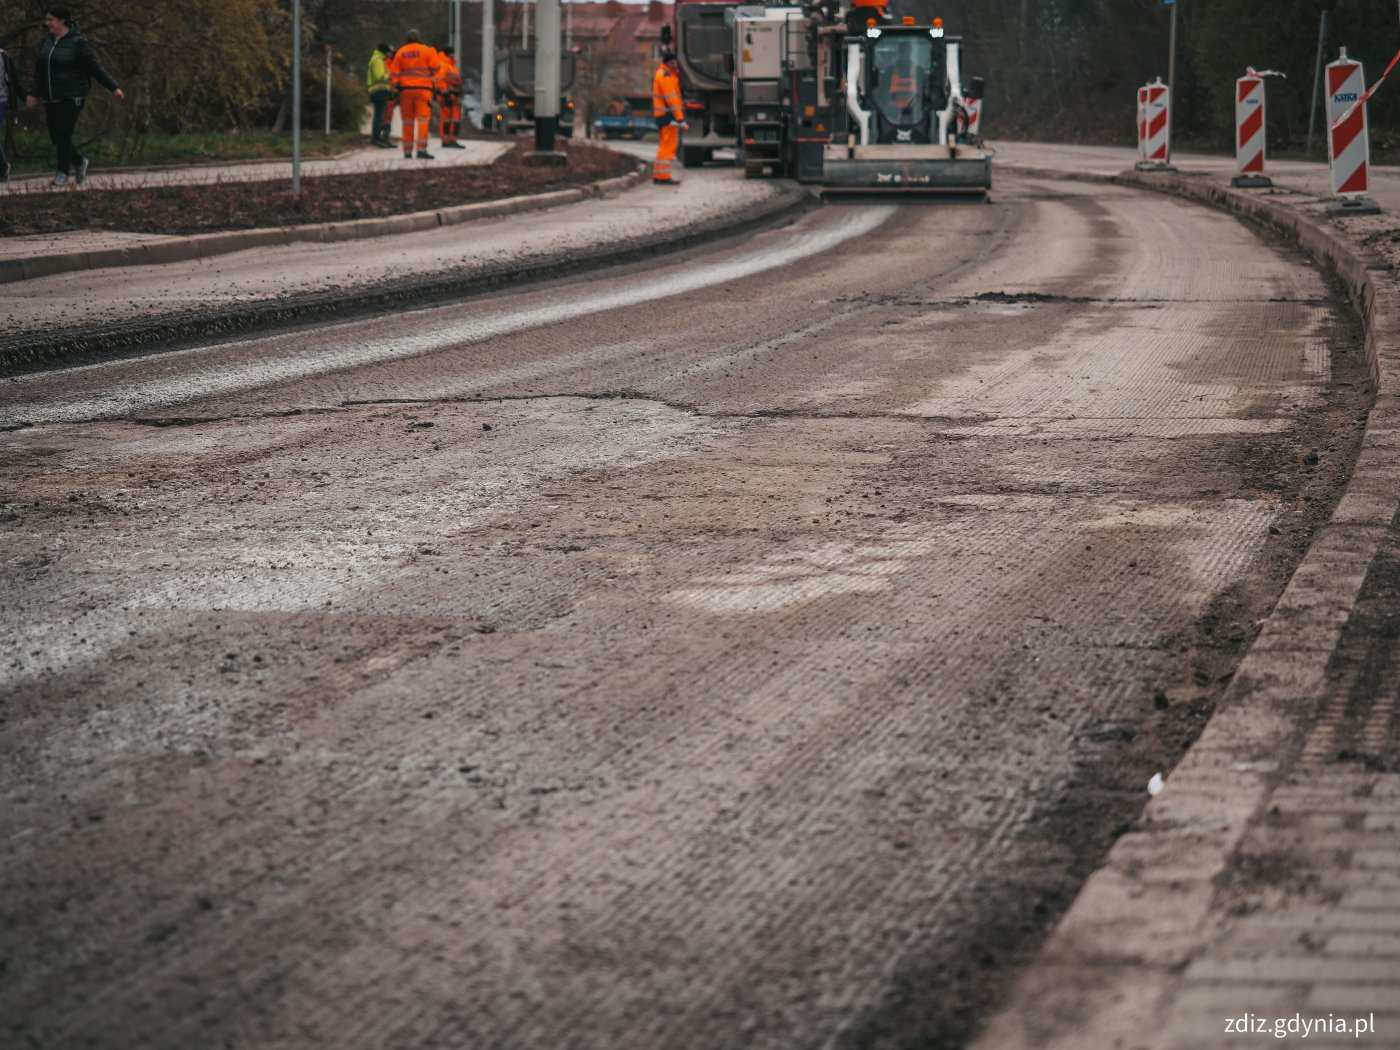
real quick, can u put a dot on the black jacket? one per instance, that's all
(67, 67)
(11, 75)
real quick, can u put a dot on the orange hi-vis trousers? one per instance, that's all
(416, 107)
(667, 139)
(449, 118)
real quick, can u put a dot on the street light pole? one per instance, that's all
(328, 89)
(296, 97)
(487, 86)
(457, 32)
(547, 80)
(1317, 80)
(1171, 78)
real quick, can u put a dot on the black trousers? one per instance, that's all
(62, 119)
(379, 129)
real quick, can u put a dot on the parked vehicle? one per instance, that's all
(625, 118)
(515, 92)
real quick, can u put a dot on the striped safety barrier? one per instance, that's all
(1157, 118)
(1142, 122)
(1348, 140)
(1249, 131)
(974, 118)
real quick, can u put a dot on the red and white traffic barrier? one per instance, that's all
(1142, 122)
(1157, 148)
(1249, 131)
(1348, 139)
(973, 106)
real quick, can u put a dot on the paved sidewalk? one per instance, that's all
(1259, 896)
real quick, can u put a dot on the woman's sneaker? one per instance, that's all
(82, 171)
(61, 179)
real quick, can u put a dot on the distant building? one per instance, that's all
(618, 45)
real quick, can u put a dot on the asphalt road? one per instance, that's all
(750, 650)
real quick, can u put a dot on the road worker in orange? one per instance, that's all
(413, 75)
(864, 12)
(449, 91)
(906, 78)
(670, 118)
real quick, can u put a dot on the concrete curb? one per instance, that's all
(205, 246)
(1112, 966)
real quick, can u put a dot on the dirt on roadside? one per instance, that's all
(213, 207)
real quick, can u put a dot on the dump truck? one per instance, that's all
(515, 92)
(852, 99)
(702, 36)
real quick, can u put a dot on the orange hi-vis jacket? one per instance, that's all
(415, 67)
(903, 89)
(666, 94)
(449, 80)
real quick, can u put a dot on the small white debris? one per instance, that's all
(1154, 786)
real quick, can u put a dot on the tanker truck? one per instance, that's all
(515, 92)
(702, 38)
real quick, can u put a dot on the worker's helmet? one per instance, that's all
(414, 37)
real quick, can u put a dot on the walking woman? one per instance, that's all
(63, 77)
(10, 94)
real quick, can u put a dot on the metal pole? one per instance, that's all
(524, 23)
(1171, 81)
(328, 89)
(487, 87)
(546, 75)
(296, 97)
(1317, 79)
(457, 32)
(569, 24)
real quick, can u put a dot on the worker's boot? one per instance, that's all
(424, 155)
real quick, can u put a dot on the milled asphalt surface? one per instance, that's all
(1262, 880)
(93, 311)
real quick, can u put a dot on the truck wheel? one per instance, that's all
(693, 156)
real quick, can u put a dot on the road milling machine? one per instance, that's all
(845, 96)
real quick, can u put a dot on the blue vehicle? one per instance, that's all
(628, 118)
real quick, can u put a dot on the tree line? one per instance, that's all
(1062, 70)
(1067, 70)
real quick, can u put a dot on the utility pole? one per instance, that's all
(1317, 79)
(1171, 77)
(547, 86)
(328, 89)
(455, 16)
(487, 85)
(524, 23)
(296, 98)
